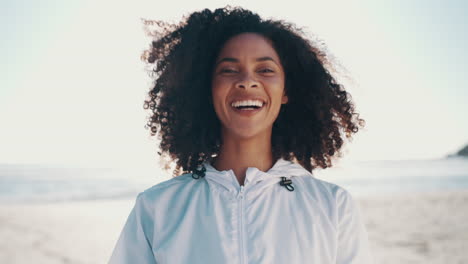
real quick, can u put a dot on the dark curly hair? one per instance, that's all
(181, 58)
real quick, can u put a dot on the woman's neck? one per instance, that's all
(238, 155)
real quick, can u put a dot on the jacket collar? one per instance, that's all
(281, 168)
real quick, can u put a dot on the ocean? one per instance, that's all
(370, 178)
(37, 184)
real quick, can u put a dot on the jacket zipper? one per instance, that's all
(241, 223)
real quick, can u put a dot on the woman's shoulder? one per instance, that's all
(173, 186)
(332, 198)
(321, 188)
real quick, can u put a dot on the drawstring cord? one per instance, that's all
(200, 173)
(287, 184)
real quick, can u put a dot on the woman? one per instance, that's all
(247, 109)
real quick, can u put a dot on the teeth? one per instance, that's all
(247, 103)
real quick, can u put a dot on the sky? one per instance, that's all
(72, 84)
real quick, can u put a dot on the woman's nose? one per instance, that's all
(247, 81)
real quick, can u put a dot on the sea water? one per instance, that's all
(32, 183)
(399, 177)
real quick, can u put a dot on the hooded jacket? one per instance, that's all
(214, 220)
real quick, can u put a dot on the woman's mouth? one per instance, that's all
(249, 107)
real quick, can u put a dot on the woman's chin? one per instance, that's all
(246, 132)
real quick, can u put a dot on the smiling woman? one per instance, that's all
(247, 90)
(184, 57)
(247, 109)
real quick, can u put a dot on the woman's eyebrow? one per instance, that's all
(266, 58)
(230, 59)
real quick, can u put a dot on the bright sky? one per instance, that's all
(72, 85)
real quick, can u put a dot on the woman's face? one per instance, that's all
(248, 86)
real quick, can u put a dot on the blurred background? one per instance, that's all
(74, 152)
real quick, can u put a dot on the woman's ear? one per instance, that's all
(284, 99)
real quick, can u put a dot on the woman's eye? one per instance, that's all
(228, 71)
(266, 70)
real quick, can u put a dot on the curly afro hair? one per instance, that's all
(309, 129)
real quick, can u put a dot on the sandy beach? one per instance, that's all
(420, 228)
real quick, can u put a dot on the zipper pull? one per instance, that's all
(241, 192)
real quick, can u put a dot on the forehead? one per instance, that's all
(248, 44)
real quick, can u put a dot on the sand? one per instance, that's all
(420, 228)
(71, 232)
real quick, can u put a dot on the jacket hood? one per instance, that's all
(254, 177)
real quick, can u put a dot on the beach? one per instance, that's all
(424, 228)
(68, 232)
(418, 228)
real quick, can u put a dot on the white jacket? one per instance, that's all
(214, 220)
